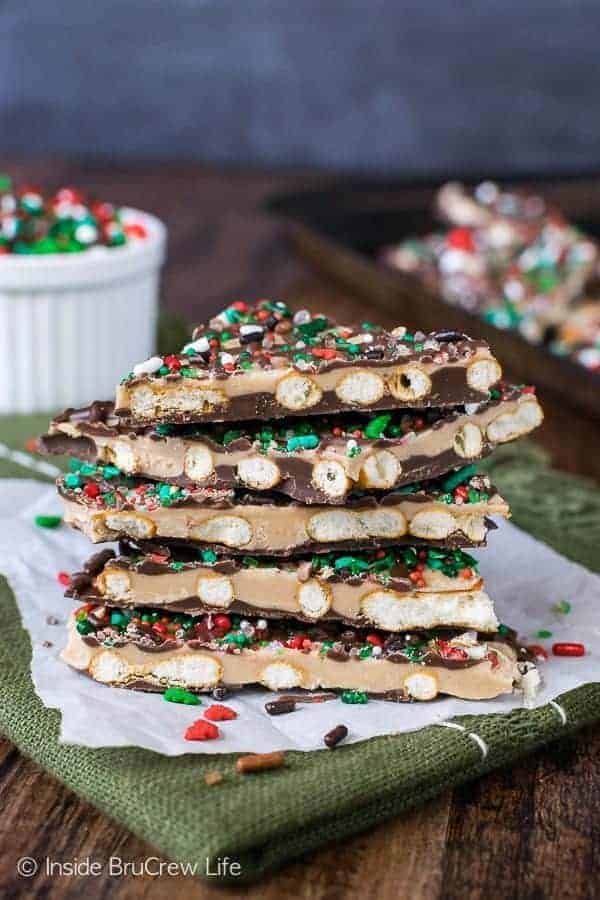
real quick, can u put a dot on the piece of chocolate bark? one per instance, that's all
(262, 362)
(395, 589)
(318, 460)
(507, 256)
(150, 651)
(107, 506)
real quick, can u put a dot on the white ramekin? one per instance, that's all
(71, 325)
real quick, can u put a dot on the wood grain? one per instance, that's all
(529, 833)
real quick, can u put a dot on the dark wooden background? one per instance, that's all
(529, 833)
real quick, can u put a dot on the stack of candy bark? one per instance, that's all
(295, 501)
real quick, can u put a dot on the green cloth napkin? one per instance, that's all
(262, 821)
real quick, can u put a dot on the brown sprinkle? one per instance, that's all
(259, 762)
(333, 737)
(213, 778)
(280, 707)
(309, 698)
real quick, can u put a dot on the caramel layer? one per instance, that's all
(280, 591)
(284, 529)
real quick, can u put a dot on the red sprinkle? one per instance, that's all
(158, 558)
(135, 230)
(172, 362)
(201, 730)
(461, 239)
(374, 639)
(297, 642)
(449, 652)
(87, 607)
(538, 651)
(64, 578)
(528, 389)
(324, 353)
(32, 445)
(219, 713)
(240, 306)
(91, 489)
(568, 649)
(223, 623)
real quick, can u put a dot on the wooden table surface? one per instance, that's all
(529, 833)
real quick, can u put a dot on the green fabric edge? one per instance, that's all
(264, 821)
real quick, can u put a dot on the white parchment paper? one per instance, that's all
(525, 578)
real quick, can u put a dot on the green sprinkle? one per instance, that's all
(564, 607)
(176, 566)
(377, 426)
(164, 430)
(458, 477)
(354, 563)
(119, 619)
(544, 633)
(503, 630)
(179, 695)
(75, 464)
(88, 469)
(110, 472)
(72, 481)
(84, 627)
(48, 521)
(366, 651)
(208, 556)
(250, 562)
(354, 697)
(164, 370)
(304, 442)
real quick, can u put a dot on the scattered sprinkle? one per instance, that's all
(219, 713)
(259, 762)
(280, 707)
(354, 697)
(564, 607)
(48, 521)
(333, 737)
(179, 695)
(568, 649)
(201, 730)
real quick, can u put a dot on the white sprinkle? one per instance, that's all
(486, 192)
(251, 329)
(301, 317)
(200, 346)
(148, 366)
(226, 359)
